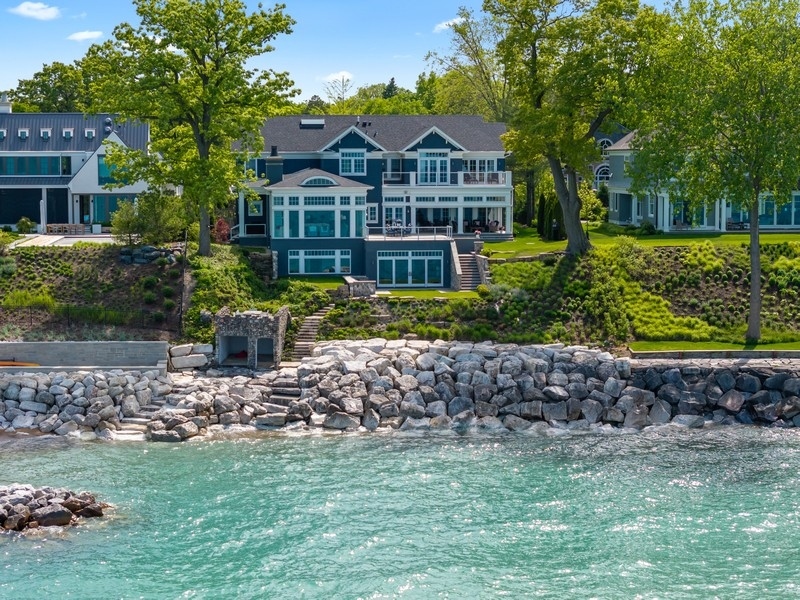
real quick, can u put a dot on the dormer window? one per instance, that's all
(353, 162)
(23, 134)
(68, 133)
(46, 133)
(89, 133)
(2, 135)
(318, 182)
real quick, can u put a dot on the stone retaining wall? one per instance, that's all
(413, 385)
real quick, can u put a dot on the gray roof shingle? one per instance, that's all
(393, 132)
(295, 179)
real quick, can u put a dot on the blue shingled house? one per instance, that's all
(394, 198)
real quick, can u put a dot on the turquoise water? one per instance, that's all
(660, 514)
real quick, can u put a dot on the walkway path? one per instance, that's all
(36, 239)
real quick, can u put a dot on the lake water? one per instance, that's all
(661, 514)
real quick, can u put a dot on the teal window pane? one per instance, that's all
(434, 271)
(277, 224)
(360, 214)
(385, 276)
(418, 271)
(294, 224)
(344, 224)
(320, 223)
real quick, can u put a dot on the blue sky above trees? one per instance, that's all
(368, 41)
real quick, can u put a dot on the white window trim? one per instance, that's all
(24, 134)
(372, 208)
(355, 154)
(255, 208)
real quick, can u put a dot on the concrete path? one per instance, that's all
(36, 239)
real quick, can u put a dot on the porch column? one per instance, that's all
(241, 213)
(460, 220)
(509, 215)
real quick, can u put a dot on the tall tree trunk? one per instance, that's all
(567, 192)
(530, 198)
(754, 317)
(204, 247)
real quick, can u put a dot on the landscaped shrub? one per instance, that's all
(169, 304)
(149, 297)
(167, 291)
(149, 282)
(28, 299)
(25, 225)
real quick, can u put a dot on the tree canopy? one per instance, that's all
(718, 116)
(186, 70)
(570, 66)
(58, 87)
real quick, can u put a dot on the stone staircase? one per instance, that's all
(133, 428)
(470, 277)
(307, 336)
(284, 391)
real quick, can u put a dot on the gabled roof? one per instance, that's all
(295, 180)
(357, 130)
(392, 132)
(133, 134)
(623, 144)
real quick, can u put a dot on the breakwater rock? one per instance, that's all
(80, 403)
(408, 385)
(26, 507)
(422, 386)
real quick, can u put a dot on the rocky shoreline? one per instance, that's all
(26, 507)
(406, 385)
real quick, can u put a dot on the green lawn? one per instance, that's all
(324, 282)
(683, 346)
(526, 241)
(427, 294)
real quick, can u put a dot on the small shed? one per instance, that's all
(252, 338)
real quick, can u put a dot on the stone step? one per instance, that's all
(135, 421)
(122, 435)
(293, 392)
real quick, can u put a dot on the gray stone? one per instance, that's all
(164, 435)
(690, 421)
(23, 421)
(531, 410)
(435, 409)
(186, 430)
(554, 411)
(791, 387)
(748, 383)
(732, 400)
(191, 361)
(460, 404)
(556, 393)
(341, 421)
(53, 515)
(416, 424)
(38, 407)
(67, 428)
(661, 412)
(636, 417)
(591, 410)
(613, 387)
(515, 423)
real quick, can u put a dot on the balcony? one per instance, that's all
(399, 232)
(452, 179)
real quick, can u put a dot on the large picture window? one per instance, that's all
(318, 262)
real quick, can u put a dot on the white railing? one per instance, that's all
(408, 232)
(455, 178)
(234, 233)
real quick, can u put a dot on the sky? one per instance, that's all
(366, 41)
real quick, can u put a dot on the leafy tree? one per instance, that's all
(722, 121)
(592, 208)
(426, 90)
(58, 87)
(154, 218)
(474, 58)
(570, 66)
(125, 224)
(315, 106)
(184, 69)
(391, 89)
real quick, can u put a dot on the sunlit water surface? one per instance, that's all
(662, 514)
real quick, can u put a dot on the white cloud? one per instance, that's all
(445, 25)
(36, 10)
(338, 76)
(82, 36)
